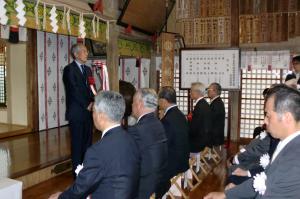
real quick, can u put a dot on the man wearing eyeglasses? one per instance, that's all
(293, 79)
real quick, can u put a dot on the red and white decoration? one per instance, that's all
(137, 76)
(53, 55)
(100, 74)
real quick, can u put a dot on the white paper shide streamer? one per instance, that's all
(82, 33)
(94, 26)
(68, 21)
(36, 13)
(3, 17)
(64, 19)
(21, 12)
(44, 17)
(53, 19)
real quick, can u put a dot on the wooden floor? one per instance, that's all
(34, 151)
(7, 130)
(213, 182)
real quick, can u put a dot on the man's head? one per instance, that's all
(79, 53)
(197, 90)
(144, 101)
(214, 90)
(296, 63)
(166, 97)
(282, 111)
(109, 108)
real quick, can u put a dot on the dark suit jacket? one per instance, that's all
(110, 169)
(256, 167)
(218, 119)
(200, 126)
(254, 150)
(177, 129)
(78, 93)
(292, 76)
(283, 177)
(150, 136)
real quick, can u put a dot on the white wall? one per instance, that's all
(16, 86)
(3, 115)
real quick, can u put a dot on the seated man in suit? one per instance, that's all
(111, 166)
(253, 164)
(293, 79)
(251, 153)
(150, 136)
(176, 128)
(281, 177)
(200, 125)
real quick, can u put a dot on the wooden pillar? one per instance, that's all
(32, 82)
(167, 59)
(235, 36)
(113, 57)
(234, 96)
(153, 73)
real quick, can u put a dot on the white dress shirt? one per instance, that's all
(105, 131)
(174, 105)
(283, 143)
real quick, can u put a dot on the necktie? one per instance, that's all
(83, 71)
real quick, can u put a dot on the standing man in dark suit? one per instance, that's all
(218, 113)
(177, 130)
(281, 177)
(150, 136)
(293, 79)
(200, 125)
(110, 168)
(79, 100)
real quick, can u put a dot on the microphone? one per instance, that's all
(91, 81)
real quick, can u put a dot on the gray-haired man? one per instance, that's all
(111, 166)
(150, 135)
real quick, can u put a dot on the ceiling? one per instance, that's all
(146, 16)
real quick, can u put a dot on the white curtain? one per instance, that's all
(53, 55)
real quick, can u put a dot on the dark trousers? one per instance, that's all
(81, 139)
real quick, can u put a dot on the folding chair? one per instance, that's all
(205, 167)
(176, 188)
(191, 173)
(215, 156)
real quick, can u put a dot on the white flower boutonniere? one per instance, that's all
(242, 150)
(259, 183)
(78, 168)
(264, 160)
(262, 135)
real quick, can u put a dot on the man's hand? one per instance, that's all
(229, 186)
(240, 172)
(215, 195)
(55, 196)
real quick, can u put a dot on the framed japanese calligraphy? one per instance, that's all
(208, 66)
